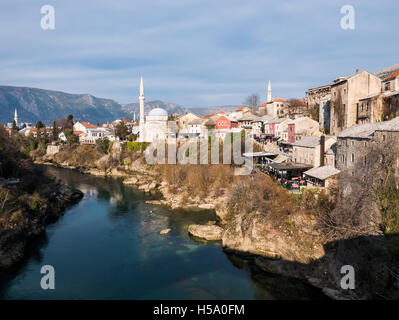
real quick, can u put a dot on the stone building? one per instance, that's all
(245, 122)
(345, 95)
(354, 144)
(312, 150)
(275, 108)
(156, 125)
(320, 97)
(302, 126)
(321, 176)
(183, 121)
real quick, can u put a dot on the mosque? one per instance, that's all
(155, 125)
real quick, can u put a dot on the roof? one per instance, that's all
(294, 166)
(299, 119)
(78, 133)
(370, 96)
(322, 173)
(197, 121)
(308, 142)
(280, 159)
(248, 117)
(279, 120)
(158, 112)
(241, 108)
(227, 118)
(265, 118)
(368, 129)
(87, 124)
(391, 93)
(258, 154)
(279, 100)
(393, 75)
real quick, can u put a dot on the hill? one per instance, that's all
(47, 105)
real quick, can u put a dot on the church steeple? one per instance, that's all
(269, 91)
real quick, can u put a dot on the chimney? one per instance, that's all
(322, 149)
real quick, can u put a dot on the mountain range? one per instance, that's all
(47, 105)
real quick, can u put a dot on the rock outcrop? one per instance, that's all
(207, 232)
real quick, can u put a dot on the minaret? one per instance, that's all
(141, 100)
(16, 116)
(269, 91)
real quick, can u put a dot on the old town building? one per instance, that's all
(345, 95)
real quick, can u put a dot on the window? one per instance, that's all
(353, 157)
(383, 137)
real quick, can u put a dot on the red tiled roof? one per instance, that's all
(221, 111)
(88, 125)
(241, 108)
(77, 133)
(392, 75)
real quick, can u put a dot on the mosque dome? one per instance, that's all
(158, 112)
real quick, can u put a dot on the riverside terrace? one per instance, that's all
(288, 175)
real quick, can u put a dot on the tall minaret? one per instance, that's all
(141, 100)
(269, 91)
(16, 116)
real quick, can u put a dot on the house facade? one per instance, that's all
(354, 144)
(312, 150)
(345, 95)
(225, 123)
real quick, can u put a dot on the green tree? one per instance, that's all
(103, 145)
(69, 122)
(132, 137)
(71, 138)
(55, 131)
(39, 125)
(121, 131)
(14, 126)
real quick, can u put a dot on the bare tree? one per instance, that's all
(252, 101)
(367, 198)
(297, 107)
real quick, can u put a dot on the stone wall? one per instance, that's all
(52, 149)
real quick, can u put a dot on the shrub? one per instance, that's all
(134, 146)
(103, 145)
(36, 205)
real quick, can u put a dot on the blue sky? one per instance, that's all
(195, 53)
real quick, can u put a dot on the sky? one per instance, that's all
(195, 53)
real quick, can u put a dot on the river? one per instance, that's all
(108, 246)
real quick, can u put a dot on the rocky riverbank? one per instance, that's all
(289, 245)
(25, 214)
